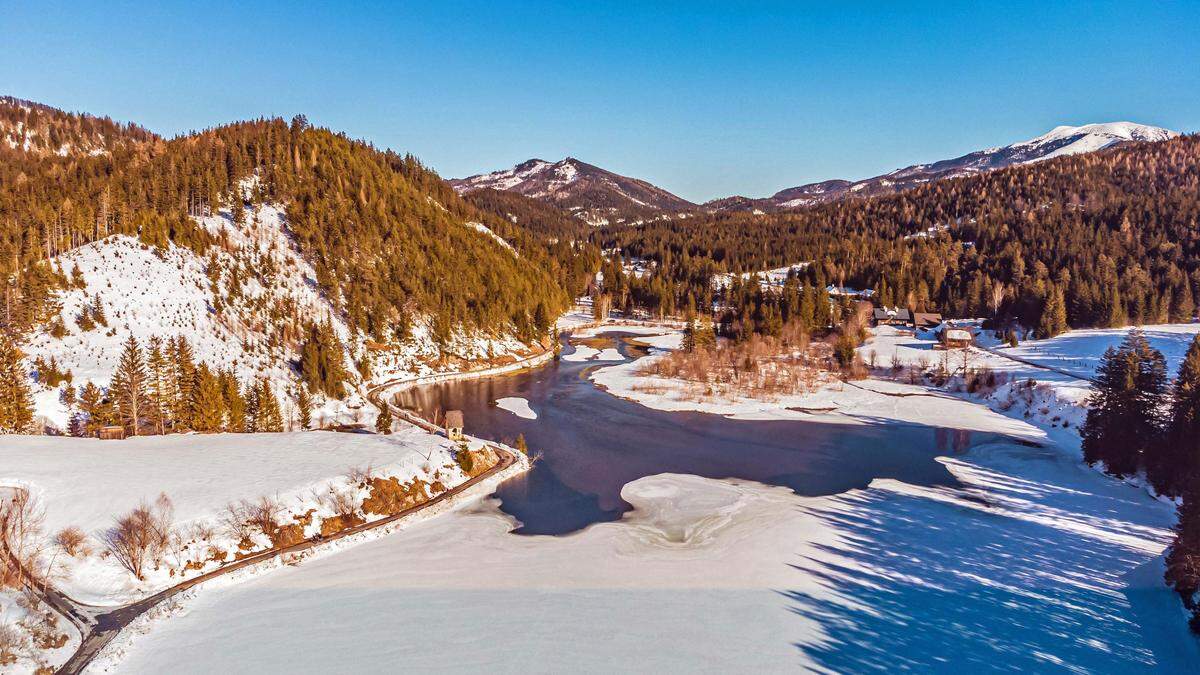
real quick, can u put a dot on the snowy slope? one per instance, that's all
(242, 305)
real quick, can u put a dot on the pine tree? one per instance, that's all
(158, 384)
(1054, 316)
(1169, 465)
(522, 445)
(183, 368)
(303, 407)
(235, 403)
(267, 417)
(321, 361)
(383, 423)
(129, 386)
(1126, 408)
(207, 412)
(16, 404)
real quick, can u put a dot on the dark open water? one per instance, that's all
(592, 443)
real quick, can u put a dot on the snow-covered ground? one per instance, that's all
(87, 483)
(1037, 565)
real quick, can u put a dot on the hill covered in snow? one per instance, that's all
(595, 195)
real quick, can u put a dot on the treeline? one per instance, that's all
(1141, 423)
(1114, 233)
(162, 389)
(385, 234)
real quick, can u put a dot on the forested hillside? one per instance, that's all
(293, 251)
(1108, 238)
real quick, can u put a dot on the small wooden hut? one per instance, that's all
(111, 433)
(454, 425)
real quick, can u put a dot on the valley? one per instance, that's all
(944, 417)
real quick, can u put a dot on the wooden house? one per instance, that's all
(957, 338)
(884, 316)
(926, 320)
(111, 433)
(454, 425)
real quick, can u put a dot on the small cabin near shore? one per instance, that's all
(111, 433)
(454, 425)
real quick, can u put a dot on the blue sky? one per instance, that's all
(704, 99)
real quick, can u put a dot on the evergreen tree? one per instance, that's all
(321, 361)
(235, 403)
(522, 445)
(1169, 465)
(1054, 316)
(1126, 408)
(183, 383)
(303, 407)
(1183, 558)
(207, 412)
(16, 404)
(158, 384)
(129, 386)
(267, 417)
(383, 423)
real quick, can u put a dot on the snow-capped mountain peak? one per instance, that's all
(592, 194)
(1059, 141)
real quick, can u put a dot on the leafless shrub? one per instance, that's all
(202, 530)
(132, 538)
(21, 518)
(360, 475)
(72, 541)
(339, 501)
(236, 520)
(13, 641)
(264, 514)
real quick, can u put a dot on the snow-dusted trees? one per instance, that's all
(16, 406)
(129, 386)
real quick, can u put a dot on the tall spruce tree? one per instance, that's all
(267, 417)
(207, 412)
(158, 384)
(129, 387)
(16, 404)
(303, 407)
(1169, 465)
(1126, 409)
(1054, 316)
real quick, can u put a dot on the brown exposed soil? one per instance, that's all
(389, 495)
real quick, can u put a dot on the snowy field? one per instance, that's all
(86, 483)
(1039, 564)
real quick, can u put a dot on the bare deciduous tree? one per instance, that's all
(21, 518)
(141, 536)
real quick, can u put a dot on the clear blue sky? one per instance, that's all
(704, 99)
